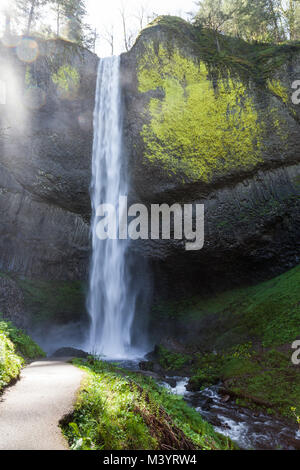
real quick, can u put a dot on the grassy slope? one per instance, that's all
(252, 330)
(15, 348)
(120, 410)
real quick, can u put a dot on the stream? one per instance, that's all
(250, 430)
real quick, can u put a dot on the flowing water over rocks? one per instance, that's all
(249, 429)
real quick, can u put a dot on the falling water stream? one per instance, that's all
(111, 300)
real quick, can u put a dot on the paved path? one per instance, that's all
(30, 410)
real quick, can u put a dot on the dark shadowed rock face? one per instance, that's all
(45, 154)
(244, 167)
(12, 302)
(70, 352)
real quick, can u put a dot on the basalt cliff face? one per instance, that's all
(219, 129)
(45, 154)
(200, 126)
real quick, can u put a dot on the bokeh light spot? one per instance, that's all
(10, 41)
(28, 50)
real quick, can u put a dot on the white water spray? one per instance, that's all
(111, 301)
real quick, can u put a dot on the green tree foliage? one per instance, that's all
(70, 15)
(78, 30)
(290, 13)
(259, 20)
(8, 10)
(215, 14)
(30, 10)
(16, 347)
(65, 18)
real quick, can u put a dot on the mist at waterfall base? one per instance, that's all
(117, 299)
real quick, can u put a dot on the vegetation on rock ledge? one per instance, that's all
(15, 348)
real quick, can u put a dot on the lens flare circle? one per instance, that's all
(10, 41)
(28, 50)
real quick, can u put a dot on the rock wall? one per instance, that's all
(45, 157)
(200, 127)
(220, 130)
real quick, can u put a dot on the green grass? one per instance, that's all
(268, 312)
(252, 330)
(120, 410)
(170, 360)
(266, 379)
(15, 348)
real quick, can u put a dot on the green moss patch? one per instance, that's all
(203, 115)
(197, 130)
(268, 312)
(237, 57)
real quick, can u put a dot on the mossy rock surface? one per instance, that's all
(203, 113)
(30, 303)
(217, 128)
(56, 302)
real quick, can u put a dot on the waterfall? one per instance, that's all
(112, 296)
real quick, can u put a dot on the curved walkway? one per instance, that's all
(31, 409)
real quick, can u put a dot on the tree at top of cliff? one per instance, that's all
(290, 12)
(214, 14)
(70, 15)
(70, 22)
(259, 20)
(64, 18)
(8, 8)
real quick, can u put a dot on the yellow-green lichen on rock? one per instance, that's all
(278, 89)
(67, 80)
(196, 130)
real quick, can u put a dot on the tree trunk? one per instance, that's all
(275, 20)
(7, 24)
(217, 42)
(30, 18)
(125, 31)
(292, 19)
(58, 21)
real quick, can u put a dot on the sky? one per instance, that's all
(102, 14)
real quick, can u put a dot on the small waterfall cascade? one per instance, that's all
(112, 295)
